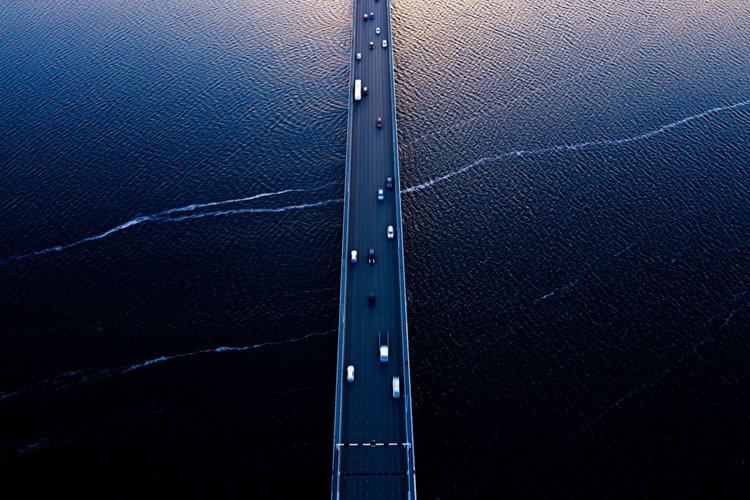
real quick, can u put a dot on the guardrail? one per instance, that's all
(335, 479)
(411, 473)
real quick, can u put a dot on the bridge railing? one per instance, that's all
(402, 278)
(335, 473)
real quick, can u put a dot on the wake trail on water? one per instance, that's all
(167, 216)
(692, 350)
(587, 270)
(253, 210)
(77, 378)
(581, 145)
(196, 206)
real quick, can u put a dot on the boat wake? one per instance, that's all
(78, 378)
(170, 216)
(587, 270)
(254, 210)
(581, 145)
(692, 350)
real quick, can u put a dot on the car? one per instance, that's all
(379, 123)
(371, 299)
(380, 195)
(383, 344)
(372, 15)
(359, 56)
(372, 45)
(350, 373)
(385, 44)
(371, 256)
(390, 232)
(365, 91)
(389, 182)
(365, 17)
(377, 31)
(354, 256)
(395, 383)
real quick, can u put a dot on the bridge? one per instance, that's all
(373, 444)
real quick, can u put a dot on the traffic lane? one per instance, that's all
(363, 279)
(389, 452)
(369, 482)
(371, 410)
(362, 336)
(388, 315)
(369, 217)
(374, 487)
(363, 324)
(369, 73)
(372, 219)
(356, 289)
(374, 68)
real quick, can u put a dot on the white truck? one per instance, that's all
(357, 90)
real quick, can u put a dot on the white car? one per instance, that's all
(359, 56)
(390, 232)
(385, 44)
(350, 373)
(395, 383)
(377, 31)
(354, 256)
(380, 195)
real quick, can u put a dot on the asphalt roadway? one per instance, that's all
(373, 458)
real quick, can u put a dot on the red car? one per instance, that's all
(365, 17)
(380, 122)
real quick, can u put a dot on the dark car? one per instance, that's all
(372, 45)
(371, 256)
(371, 299)
(372, 15)
(389, 182)
(365, 17)
(365, 91)
(379, 123)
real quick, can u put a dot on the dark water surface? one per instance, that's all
(577, 231)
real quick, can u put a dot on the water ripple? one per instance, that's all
(67, 380)
(581, 145)
(693, 349)
(164, 216)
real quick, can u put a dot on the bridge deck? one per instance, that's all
(373, 452)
